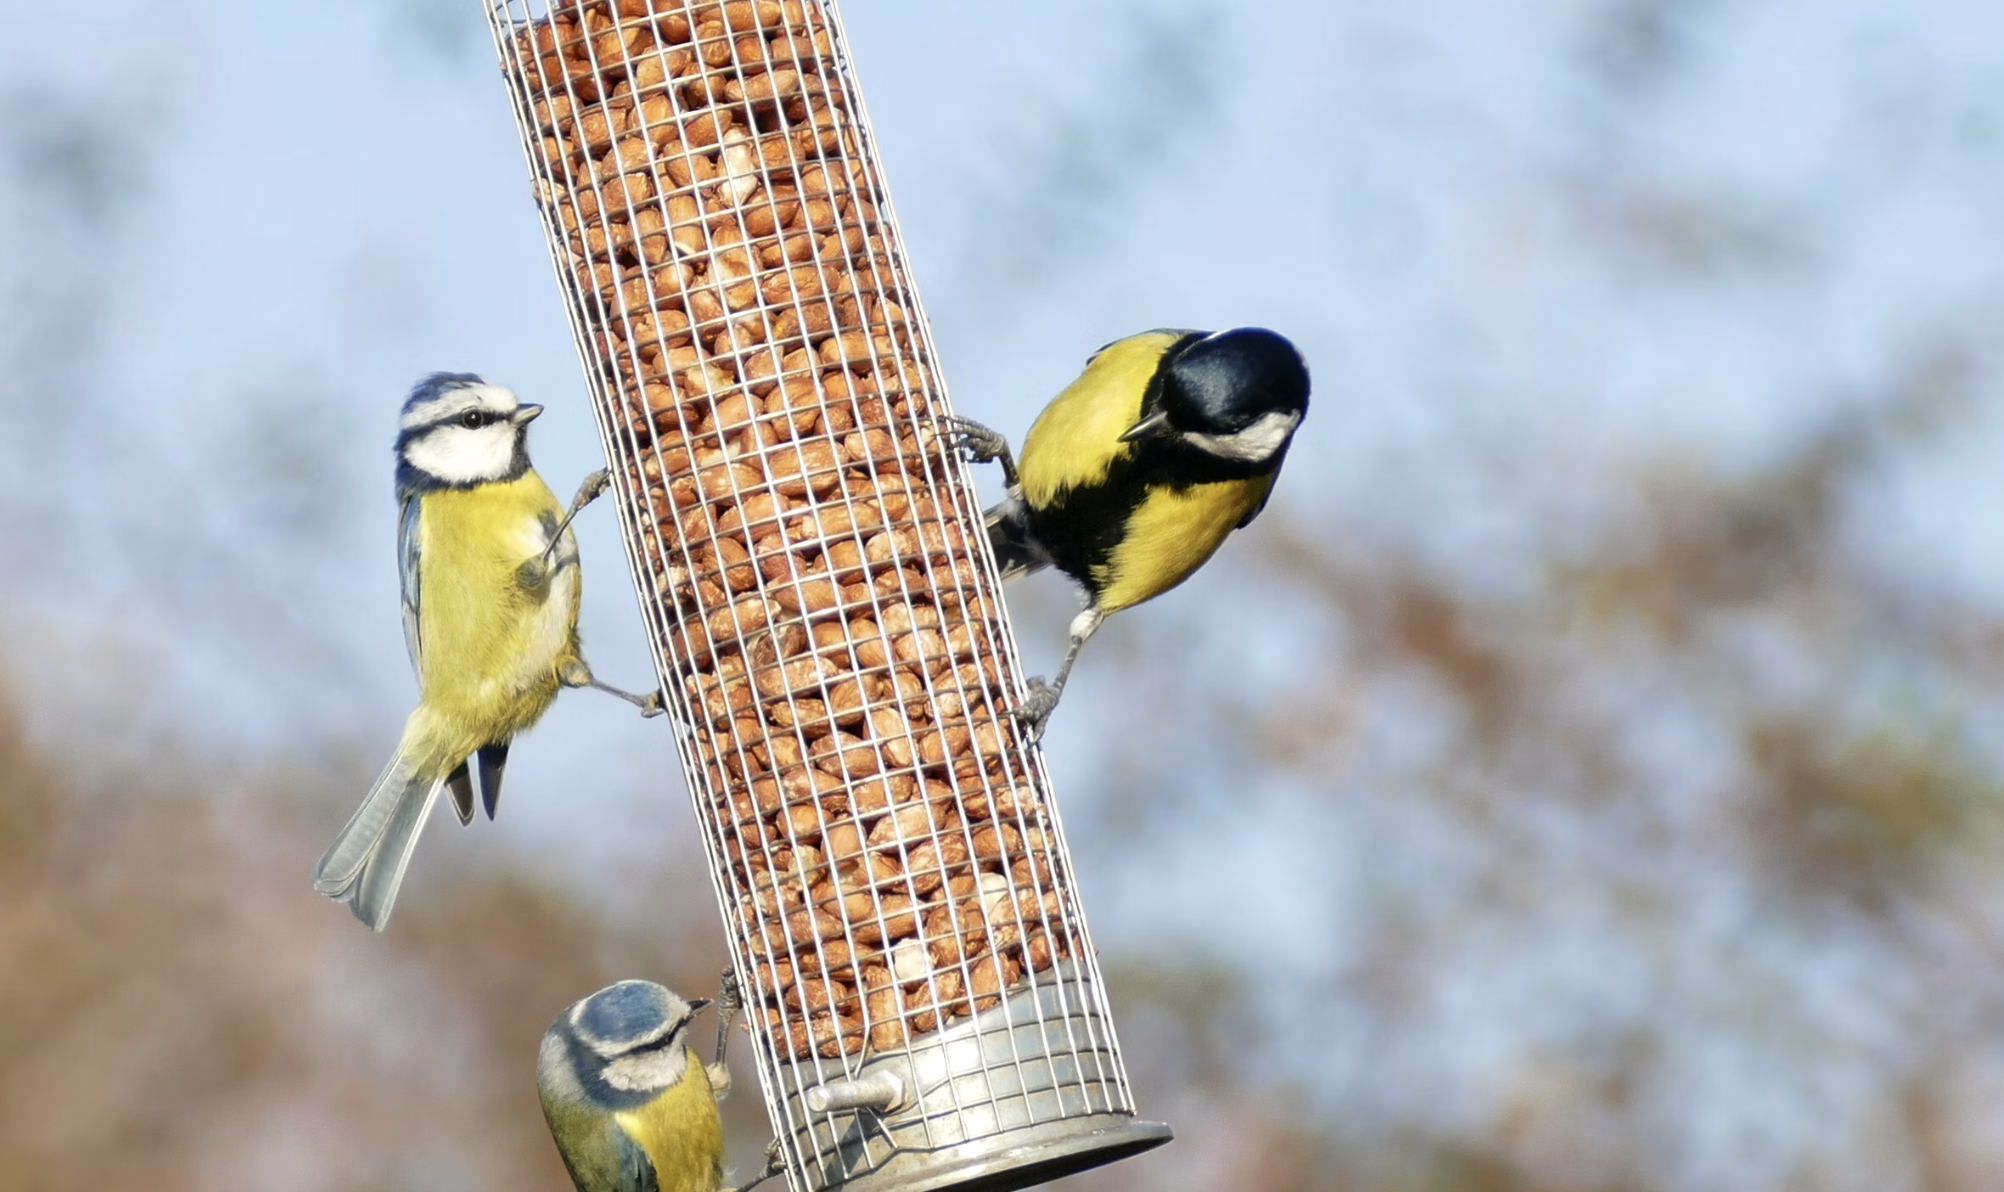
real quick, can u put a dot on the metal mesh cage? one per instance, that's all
(894, 882)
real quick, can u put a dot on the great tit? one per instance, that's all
(631, 1107)
(1133, 476)
(490, 583)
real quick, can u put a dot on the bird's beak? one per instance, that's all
(697, 1005)
(524, 415)
(1148, 427)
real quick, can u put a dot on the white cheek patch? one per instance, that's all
(1256, 443)
(458, 455)
(649, 1070)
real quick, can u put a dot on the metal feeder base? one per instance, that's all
(1018, 1159)
(1020, 1094)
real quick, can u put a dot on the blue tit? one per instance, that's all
(490, 584)
(631, 1107)
(1134, 475)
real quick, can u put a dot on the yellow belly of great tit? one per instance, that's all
(1171, 533)
(681, 1133)
(494, 646)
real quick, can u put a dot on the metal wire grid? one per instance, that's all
(828, 631)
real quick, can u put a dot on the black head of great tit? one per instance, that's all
(1236, 395)
(1135, 474)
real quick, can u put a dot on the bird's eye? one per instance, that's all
(473, 419)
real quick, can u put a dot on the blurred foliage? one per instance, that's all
(184, 1012)
(73, 170)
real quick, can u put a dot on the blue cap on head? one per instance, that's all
(629, 1012)
(437, 385)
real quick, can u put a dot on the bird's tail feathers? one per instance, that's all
(383, 876)
(341, 865)
(1017, 553)
(366, 863)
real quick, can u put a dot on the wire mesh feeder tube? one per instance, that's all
(897, 894)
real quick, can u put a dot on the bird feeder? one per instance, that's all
(926, 1006)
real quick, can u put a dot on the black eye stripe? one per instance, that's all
(474, 419)
(468, 419)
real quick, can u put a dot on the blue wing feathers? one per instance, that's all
(409, 570)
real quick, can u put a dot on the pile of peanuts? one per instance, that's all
(837, 648)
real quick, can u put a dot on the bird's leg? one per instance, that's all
(592, 489)
(775, 1164)
(575, 673)
(1042, 699)
(650, 705)
(980, 445)
(730, 1000)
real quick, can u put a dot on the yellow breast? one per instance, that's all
(1171, 533)
(491, 647)
(681, 1133)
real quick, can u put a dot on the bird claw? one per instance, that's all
(652, 705)
(977, 443)
(1036, 708)
(594, 485)
(730, 996)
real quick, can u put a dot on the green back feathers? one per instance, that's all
(1076, 440)
(597, 1153)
